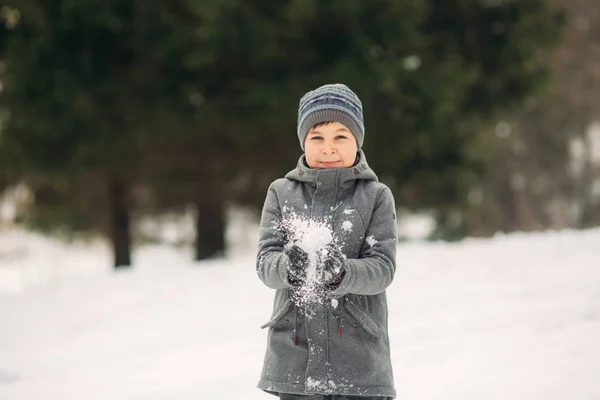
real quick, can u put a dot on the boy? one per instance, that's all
(337, 346)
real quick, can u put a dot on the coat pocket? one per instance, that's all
(278, 314)
(363, 318)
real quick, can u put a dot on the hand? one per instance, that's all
(298, 262)
(333, 265)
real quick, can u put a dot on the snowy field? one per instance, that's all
(515, 317)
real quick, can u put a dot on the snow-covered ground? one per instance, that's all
(515, 317)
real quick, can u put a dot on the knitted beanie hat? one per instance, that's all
(333, 102)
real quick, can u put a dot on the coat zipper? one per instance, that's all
(339, 314)
(294, 335)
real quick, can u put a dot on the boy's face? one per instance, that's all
(331, 145)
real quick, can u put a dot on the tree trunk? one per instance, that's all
(210, 220)
(524, 213)
(120, 222)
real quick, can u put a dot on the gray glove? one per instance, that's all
(298, 262)
(333, 265)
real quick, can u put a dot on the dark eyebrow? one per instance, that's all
(336, 131)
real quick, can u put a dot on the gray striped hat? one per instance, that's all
(333, 102)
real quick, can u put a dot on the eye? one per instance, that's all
(316, 138)
(341, 137)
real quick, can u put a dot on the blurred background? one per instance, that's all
(480, 114)
(141, 136)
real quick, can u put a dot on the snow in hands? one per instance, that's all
(316, 238)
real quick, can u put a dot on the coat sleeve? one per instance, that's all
(271, 263)
(374, 271)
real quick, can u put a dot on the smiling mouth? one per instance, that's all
(329, 162)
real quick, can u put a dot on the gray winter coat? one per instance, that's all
(343, 348)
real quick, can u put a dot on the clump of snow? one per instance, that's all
(371, 240)
(312, 236)
(348, 211)
(312, 384)
(347, 226)
(334, 303)
(315, 384)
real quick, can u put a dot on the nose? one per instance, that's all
(328, 149)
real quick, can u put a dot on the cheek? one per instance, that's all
(310, 155)
(349, 156)
(347, 162)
